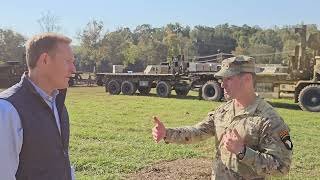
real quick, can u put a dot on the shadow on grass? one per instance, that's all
(274, 104)
(285, 105)
(172, 96)
(83, 85)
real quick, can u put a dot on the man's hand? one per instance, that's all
(159, 130)
(233, 142)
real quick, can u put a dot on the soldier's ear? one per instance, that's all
(244, 78)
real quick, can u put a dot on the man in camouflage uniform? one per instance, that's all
(252, 141)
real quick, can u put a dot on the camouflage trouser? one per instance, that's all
(221, 171)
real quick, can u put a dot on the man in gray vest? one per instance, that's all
(34, 122)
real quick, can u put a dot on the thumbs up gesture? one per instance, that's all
(159, 130)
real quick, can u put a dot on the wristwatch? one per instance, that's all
(242, 153)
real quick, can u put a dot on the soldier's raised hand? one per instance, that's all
(233, 142)
(159, 130)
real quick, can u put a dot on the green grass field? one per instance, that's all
(111, 135)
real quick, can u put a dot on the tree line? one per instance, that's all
(151, 45)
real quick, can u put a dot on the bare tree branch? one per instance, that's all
(49, 22)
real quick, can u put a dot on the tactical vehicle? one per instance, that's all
(300, 79)
(178, 75)
(77, 78)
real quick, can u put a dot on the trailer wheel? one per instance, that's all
(144, 90)
(114, 87)
(309, 98)
(211, 91)
(128, 88)
(163, 89)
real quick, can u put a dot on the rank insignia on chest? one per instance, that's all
(285, 138)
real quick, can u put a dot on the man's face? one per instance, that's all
(232, 86)
(61, 66)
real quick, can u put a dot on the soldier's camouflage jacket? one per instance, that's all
(266, 136)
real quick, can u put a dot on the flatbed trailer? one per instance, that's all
(128, 83)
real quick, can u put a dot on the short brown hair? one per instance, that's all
(42, 43)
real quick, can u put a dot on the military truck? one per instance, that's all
(75, 78)
(10, 73)
(300, 80)
(178, 75)
(80, 78)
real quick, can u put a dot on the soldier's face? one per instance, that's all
(232, 86)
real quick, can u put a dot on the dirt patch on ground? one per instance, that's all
(177, 169)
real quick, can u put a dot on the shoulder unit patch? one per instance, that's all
(285, 138)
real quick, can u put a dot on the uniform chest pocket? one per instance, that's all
(220, 131)
(251, 133)
(221, 125)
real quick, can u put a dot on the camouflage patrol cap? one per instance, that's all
(236, 65)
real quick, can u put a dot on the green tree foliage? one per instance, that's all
(90, 51)
(178, 41)
(149, 42)
(143, 33)
(268, 37)
(131, 54)
(263, 54)
(11, 46)
(172, 41)
(209, 40)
